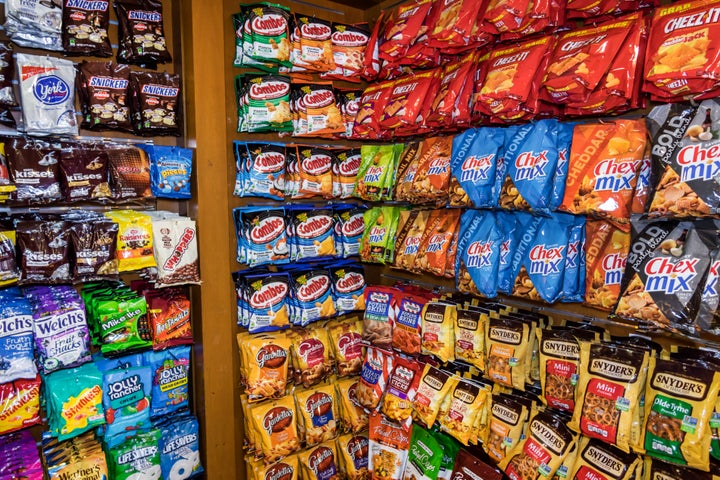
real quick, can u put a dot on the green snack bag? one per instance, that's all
(74, 401)
(137, 457)
(423, 463)
(391, 176)
(268, 104)
(123, 324)
(450, 448)
(378, 241)
(394, 214)
(268, 39)
(377, 164)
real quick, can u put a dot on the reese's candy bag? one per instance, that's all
(606, 250)
(684, 168)
(602, 173)
(679, 402)
(664, 273)
(682, 57)
(611, 378)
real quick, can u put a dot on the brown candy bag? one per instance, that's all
(85, 28)
(155, 107)
(142, 38)
(103, 91)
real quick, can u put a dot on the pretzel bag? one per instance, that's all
(611, 380)
(507, 345)
(679, 402)
(468, 400)
(559, 354)
(434, 386)
(507, 424)
(600, 461)
(438, 334)
(275, 424)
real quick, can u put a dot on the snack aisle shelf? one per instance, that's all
(211, 126)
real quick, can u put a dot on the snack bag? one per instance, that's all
(372, 103)
(402, 27)
(433, 387)
(287, 466)
(420, 465)
(353, 452)
(408, 240)
(268, 27)
(478, 257)
(406, 329)
(663, 276)
(438, 335)
(611, 378)
(602, 173)
(401, 390)
(432, 178)
(377, 170)
(507, 424)
(475, 154)
(176, 251)
(74, 401)
(268, 104)
(312, 357)
(320, 462)
(408, 164)
(542, 452)
(594, 459)
(450, 449)
(507, 345)
(346, 340)
(470, 337)
(389, 444)
(313, 233)
(606, 251)
(126, 401)
(318, 414)
(468, 401)
(17, 358)
(315, 166)
(685, 183)
(679, 401)
(575, 263)
(134, 240)
(345, 171)
(276, 424)
(531, 162)
(406, 99)
(19, 404)
(380, 312)
(681, 58)
(265, 365)
(378, 241)
(436, 242)
(348, 282)
(262, 235)
(265, 164)
(354, 418)
(170, 171)
(137, 457)
(349, 229)
(559, 354)
(170, 371)
(374, 377)
(179, 447)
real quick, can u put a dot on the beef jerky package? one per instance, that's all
(155, 107)
(129, 172)
(44, 252)
(7, 74)
(83, 173)
(142, 39)
(34, 168)
(665, 273)
(103, 90)
(94, 243)
(47, 93)
(686, 168)
(85, 28)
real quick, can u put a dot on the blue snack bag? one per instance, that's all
(170, 370)
(170, 171)
(475, 155)
(349, 228)
(313, 233)
(180, 449)
(478, 254)
(574, 280)
(507, 224)
(127, 361)
(509, 150)
(564, 142)
(348, 286)
(267, 295)
(265, 236)
(531, 159)
(543, 255)
(311, 292)
(241, 167)
(17, 358)
(264, 174)
(126, 401)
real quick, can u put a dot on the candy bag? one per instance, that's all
(74, 401)
(19, 404)
(179, 447)
(126, 401)
(137, 457)
(170, 171)
(170, 370)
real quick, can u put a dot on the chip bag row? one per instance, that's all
(269, 301)
(279, 235)
(427, 241)
(538, 258)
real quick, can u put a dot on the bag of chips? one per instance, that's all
(389, 444)
(317, 414)
(265, 365)
(312, 358)
(401, 390)
(475, 154)
(275, 424)
(438, 330)
(606, 250)
(353, 455)
(479, 253)
(433, 387)
(353, 417)
(374, 377)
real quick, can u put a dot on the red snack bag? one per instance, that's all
(374, 377)
(169, 316)
(19, 404)
(432, 255)
(401, 389)
(601, 8)
(349, 104)
(371, 59)
(683, 55)
(606, 251)
(406, 100)
(402, 28)
(518, 18)
(456, 22)
(407, 329)
(389, 445)
(455, 78)
(372, 106)
(432, 178)
(508, 85)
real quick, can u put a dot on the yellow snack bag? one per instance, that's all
(599, 461)
(507, 423)
(353, 456)
(286, 469)
(346, 341)
(275, 425)
(470, 337)
(320, 462)
(438, 330)
(559, 354)
(352, 416)
(312, 357)
(19, 404)
(467, 401)
(317, 413)
(507, 344)
(265, 365)
(134, 240)
(433, 388)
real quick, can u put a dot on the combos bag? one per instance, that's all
(679, 402)
(611, 379)
(684, 170)
(665, 273)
